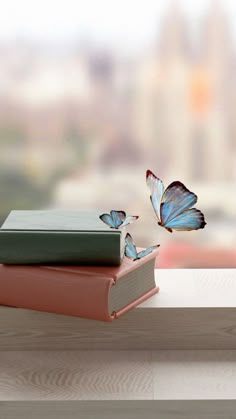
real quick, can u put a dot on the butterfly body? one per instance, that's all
(167, 228)
(173, 205)
(131, 250)
(117, 219)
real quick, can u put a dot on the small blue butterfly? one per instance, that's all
(117, 219)
(173, 205)
(131, 250)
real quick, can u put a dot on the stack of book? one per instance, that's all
(70, 262)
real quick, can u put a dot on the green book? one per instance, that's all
(59, 237)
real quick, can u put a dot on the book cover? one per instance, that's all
(59, 236)
(99, 293)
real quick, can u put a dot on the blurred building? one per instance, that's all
(185, 96)
(80, 125)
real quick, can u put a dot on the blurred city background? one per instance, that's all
(94, 93)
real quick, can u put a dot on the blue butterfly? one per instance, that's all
(173, 205)
(131, 250)
(117, 219)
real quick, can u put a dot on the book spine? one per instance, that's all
(118, 313)
(62, 292)
(40, 247)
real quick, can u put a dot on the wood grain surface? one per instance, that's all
(73, 375)
(194, 384)
(117, 375)
(195, 309)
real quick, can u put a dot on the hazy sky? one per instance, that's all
(130, 23)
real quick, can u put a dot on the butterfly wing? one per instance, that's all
(130, 219)
(176, 199)
(156, 188)
(146, 252)
(191, 219)
(107, 219)
(130, 248)
(118, 217)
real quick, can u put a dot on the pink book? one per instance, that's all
(97, 292)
